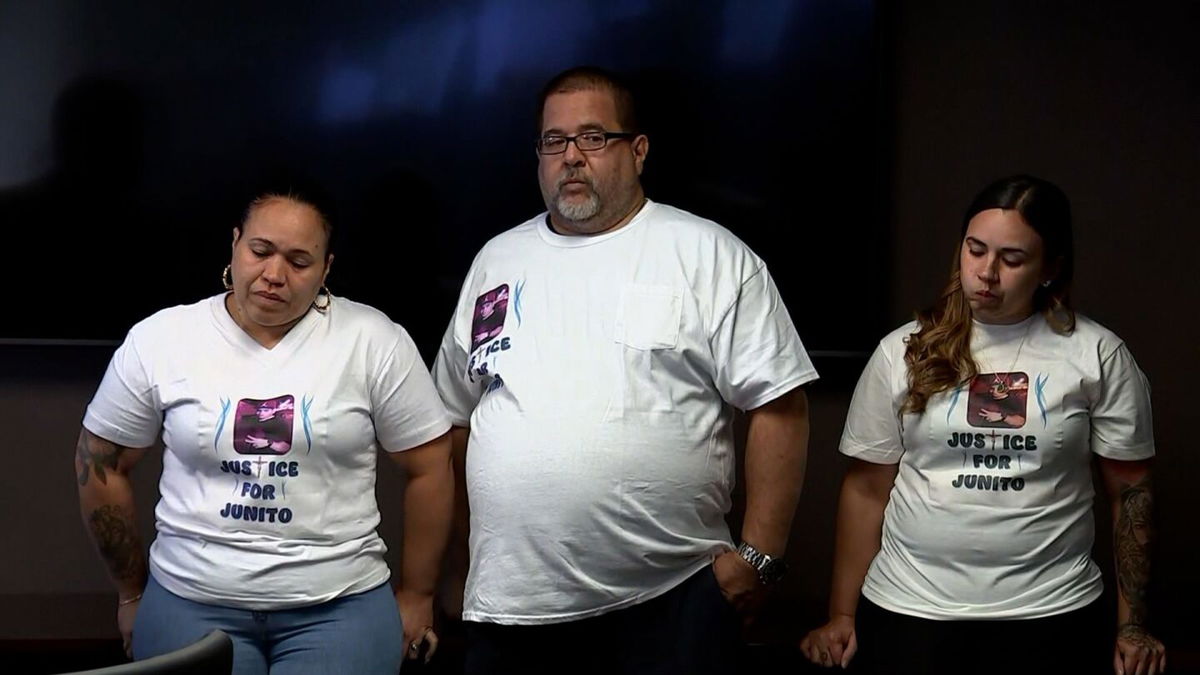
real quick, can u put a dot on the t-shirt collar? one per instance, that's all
(575, 241)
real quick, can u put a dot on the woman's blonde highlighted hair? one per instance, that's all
(938, 355)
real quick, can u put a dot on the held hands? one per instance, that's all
(416, 616)
(833, 644)
(1138, 652)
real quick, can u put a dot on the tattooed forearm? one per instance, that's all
(96, 456)
(117, 537)
(1132, 535)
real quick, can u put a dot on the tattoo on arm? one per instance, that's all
(117, 538)
(1132, 536)
(97, 458)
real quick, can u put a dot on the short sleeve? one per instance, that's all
(405, 405)
(458, 393)
(125, 409)
(1122, 425)
(757, 354)
(872, 430)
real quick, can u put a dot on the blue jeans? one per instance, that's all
(354, 634)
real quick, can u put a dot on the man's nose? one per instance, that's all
(573, 156)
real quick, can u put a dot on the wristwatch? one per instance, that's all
(770, 570)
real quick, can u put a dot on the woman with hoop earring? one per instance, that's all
(273, 400)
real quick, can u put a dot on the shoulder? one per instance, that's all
(518, 237)
(355, 318)
(895, 342)
(1088, 338)
(688, 227)
(713, 255)
(179, 320)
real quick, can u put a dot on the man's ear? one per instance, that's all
(641, 148)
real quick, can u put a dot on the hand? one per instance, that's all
(125, 617)
(1138, 652)
(416, 616)
(831, 644)
(739, 582)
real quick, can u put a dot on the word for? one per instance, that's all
(986, 461)
(256, 491)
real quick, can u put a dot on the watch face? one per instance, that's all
(773, 571)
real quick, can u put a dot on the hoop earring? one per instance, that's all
(328, 300)
(227, 278)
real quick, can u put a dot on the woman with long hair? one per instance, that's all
(965, 526)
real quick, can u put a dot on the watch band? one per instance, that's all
(769, 568)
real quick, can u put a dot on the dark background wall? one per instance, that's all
(1101, 97)
(1104, 99)
(138, 132)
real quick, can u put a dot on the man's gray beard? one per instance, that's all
(578, 212)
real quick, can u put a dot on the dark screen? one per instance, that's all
(158, 122)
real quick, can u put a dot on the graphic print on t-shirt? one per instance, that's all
(264, 427)
(998, 400)
(490, 310)
(1002, 460)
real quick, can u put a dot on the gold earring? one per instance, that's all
(328, 299)
(227, 277)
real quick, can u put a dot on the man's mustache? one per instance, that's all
(574, 176)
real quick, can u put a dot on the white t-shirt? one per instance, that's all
(268, 482)
(991, 513)
(594, 374)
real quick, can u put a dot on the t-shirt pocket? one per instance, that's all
(648, 317)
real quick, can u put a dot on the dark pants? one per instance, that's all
(687, 630)
(1079, 641)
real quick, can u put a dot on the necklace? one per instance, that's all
(1001, 385)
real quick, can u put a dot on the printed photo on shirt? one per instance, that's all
(998, 400)
(264, 427)
(490, 309)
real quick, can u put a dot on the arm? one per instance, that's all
(428, 509)
(1129, 490)
(864, 496)
(776, 455)
(106, 505)
(458, 558)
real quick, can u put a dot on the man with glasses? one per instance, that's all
(595, 426)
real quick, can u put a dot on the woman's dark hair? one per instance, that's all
(299, 191)
(938, 355)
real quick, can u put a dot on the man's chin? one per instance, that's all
(578, 212)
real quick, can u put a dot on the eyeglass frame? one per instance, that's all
(568, 140)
